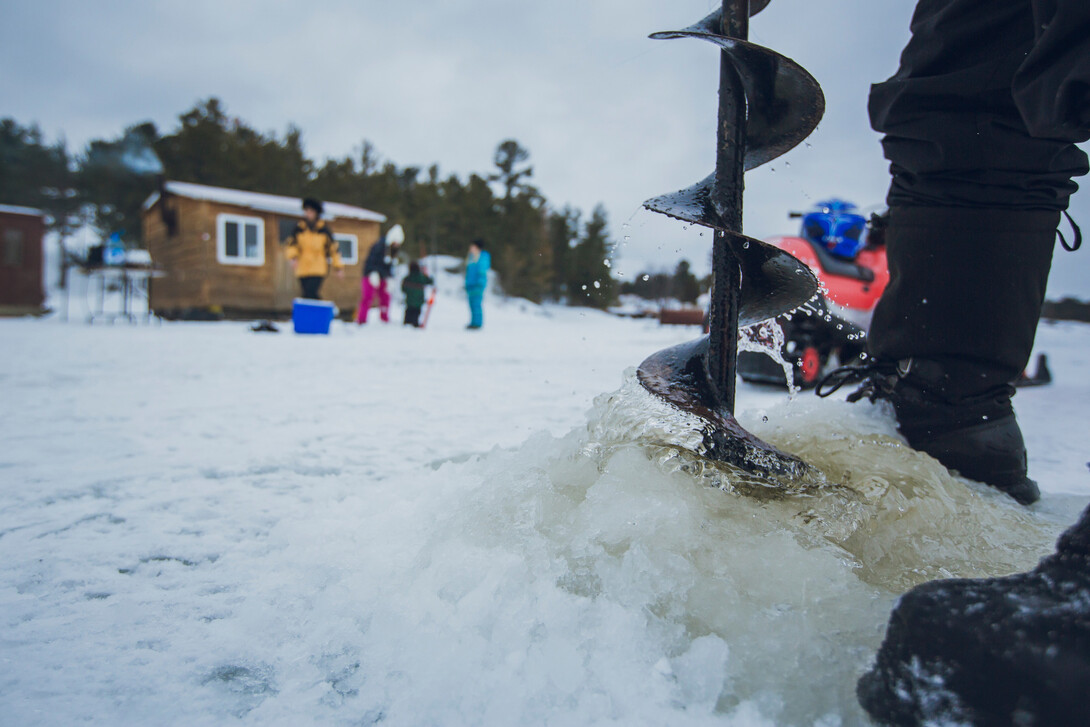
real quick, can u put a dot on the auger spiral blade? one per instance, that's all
(785, 103)
(767, 105)
(756, 6)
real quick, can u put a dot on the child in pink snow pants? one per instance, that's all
(377, 269)
(367, 296)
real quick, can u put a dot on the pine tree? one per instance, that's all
(590, 282)
(686, 287)
(509, 155)
(563, 233)
(39, 175)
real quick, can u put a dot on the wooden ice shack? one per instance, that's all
(21, 231)
(221, 251)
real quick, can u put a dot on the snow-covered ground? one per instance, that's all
(201, 525)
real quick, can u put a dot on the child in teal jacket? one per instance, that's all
(477, 265)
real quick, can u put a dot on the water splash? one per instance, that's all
(900, 515)
(767, 337)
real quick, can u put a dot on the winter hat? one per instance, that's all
(395, 236)
(314, 204)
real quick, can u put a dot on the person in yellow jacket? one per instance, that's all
(311, 248)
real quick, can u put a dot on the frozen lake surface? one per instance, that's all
(200, 525)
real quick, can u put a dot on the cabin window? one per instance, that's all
(348, 247)
(240, 240)
(13, 247)
(286, 227)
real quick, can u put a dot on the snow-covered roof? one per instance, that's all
(14, 210)
(289, 206)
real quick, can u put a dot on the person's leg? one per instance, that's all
(959, 320)
(974, 203)
(966, 285)
(367, 292)
(412, 316)
(310, 286)
(476, 309)
(982, 163)
(384, 301)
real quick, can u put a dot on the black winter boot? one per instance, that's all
(954, 329)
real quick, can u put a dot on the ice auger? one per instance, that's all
(767, 105)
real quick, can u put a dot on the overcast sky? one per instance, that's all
(608, 115)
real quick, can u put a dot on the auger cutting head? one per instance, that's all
(767, 105)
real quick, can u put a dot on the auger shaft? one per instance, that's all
(726, 200)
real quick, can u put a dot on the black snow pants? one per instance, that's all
(980, 124)
(309, 285)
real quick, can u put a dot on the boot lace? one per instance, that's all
(876, 379)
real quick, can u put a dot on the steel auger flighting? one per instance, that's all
(767, 105)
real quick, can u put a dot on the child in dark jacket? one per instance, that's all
(413, 286)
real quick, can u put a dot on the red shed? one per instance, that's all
(21, 231)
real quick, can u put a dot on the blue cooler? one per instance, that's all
(312, 316)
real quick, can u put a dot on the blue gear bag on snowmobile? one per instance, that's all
(836, 227)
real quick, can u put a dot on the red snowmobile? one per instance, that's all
(848, 255)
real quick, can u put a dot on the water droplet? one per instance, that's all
(645, 278)
(584, 287)
(597, 284)
(607, 263)
(745, 245)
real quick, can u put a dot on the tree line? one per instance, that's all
(682, 286)
(540, 252)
